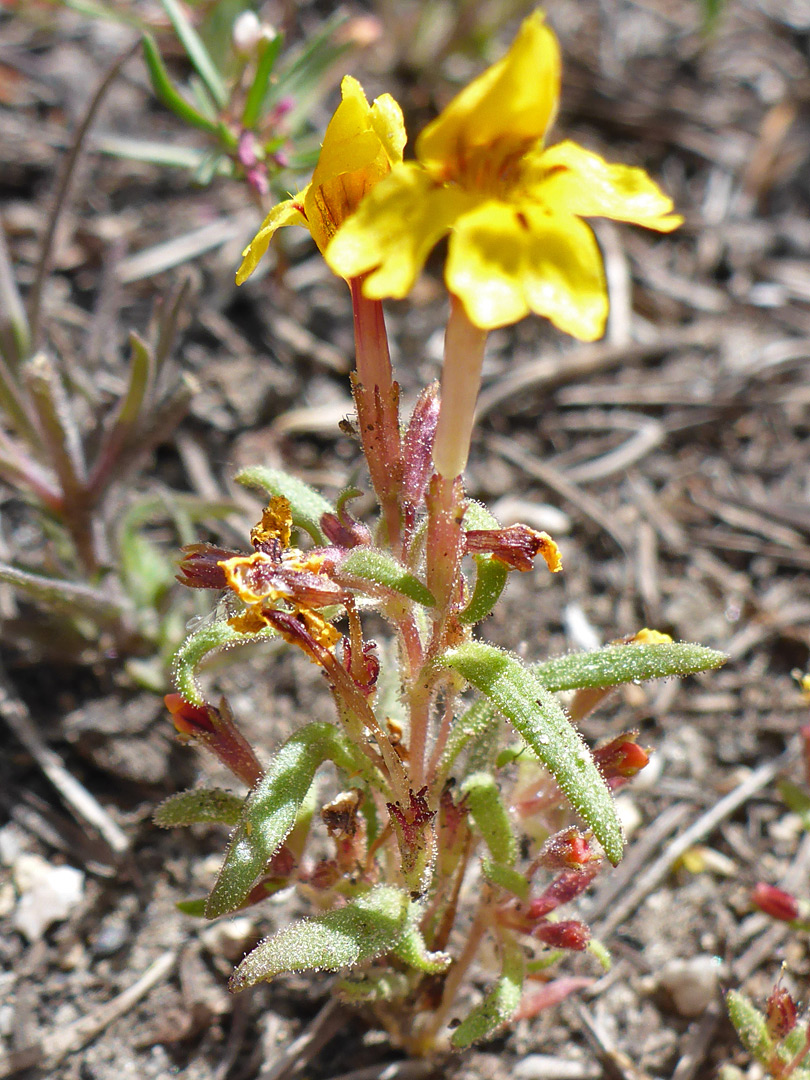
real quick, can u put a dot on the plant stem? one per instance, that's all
(377, 398)
(461, 378)
(457, 973)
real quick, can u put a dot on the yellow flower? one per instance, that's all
(361, 144)
(512, 207)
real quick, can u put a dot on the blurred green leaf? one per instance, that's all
(252, 112)
(199, 806)
(168, 92)
(750, 1025)
(197, 53)
(147, 571)
(306, 504)
(796, 799)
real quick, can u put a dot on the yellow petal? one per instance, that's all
(359, 146)
(393, 231)
(504, 111)
(570, 179)
(505, 261)
(285, 213)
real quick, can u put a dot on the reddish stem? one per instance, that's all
(376, 396)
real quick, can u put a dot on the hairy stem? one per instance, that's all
(461, 378)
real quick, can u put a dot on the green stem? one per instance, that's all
(461, 378)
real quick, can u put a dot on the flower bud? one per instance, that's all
(780, 1013)
(217, 731)
(564, 888)
(417, 459)
(570, 934)
(775, 902)
(248, 32)
(566, 850)
(621, 758)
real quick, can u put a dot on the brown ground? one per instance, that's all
(676, 452)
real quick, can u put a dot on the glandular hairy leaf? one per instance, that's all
(491, 819)
(617, 664)
(306, 504)
(501, 1002)
(539, 718)
(271, 809)
(380, 568)
(199, 806)
(412, 947)
(472, 723)
(750, 1025)
(366, 927)
(490, 574)
(210, 638)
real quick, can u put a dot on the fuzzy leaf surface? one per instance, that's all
(210, 638)
(489, 814)
(271, 808)
(306, 504)
(506, 877)
(490, 574)
(467, 727)
(501, 1002)
(379, 567)
(539, 719)
(367, 927)
(617, 664)
(750, 1025)
(412, 947)
(199, 806)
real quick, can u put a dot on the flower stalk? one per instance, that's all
(464, 345)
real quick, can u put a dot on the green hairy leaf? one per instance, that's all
(367, 927)
(199, 806)
(750, 1025)
(540, 720)
(413, 950)
(306, 504)
(490, 575)
(490, 816)
(270, 810)
(376, 566)
(375, 986)
(617, 664)
(506, 878)
(501, 1002)
(211, 638)
(467, 727)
